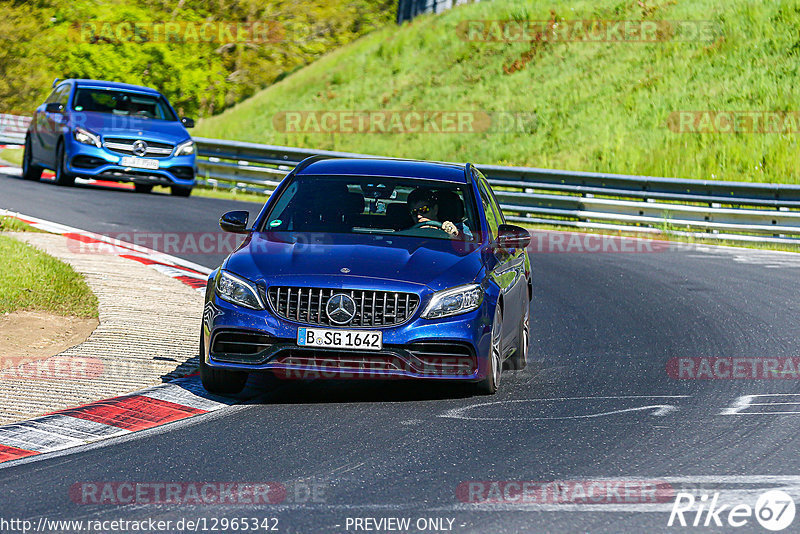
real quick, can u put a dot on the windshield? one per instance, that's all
(124, 103)
(359, 205)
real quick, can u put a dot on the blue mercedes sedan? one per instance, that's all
(112, 132)
(371, 268)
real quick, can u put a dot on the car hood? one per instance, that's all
(338, 260)
(108, 125)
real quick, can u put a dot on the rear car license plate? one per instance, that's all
(340, 339)
(139, 163)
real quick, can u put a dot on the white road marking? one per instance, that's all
(772, 259)
(658, 409)
(746, 401)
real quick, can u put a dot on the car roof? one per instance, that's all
(113, 85)
(448, 172)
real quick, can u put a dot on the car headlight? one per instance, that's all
(86, 137)
(185, 149)
(453, 301)
(238, 291)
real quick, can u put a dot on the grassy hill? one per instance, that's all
(600, 106)
(203, 65)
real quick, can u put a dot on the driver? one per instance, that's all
(424, 208)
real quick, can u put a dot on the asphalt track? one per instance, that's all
(596, 402)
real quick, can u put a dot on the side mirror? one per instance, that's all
(234, 222)
(54, 107)
(187, 122)
(511, 236)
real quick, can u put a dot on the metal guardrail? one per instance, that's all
(12, 129)
(408, 9)
(737, 211)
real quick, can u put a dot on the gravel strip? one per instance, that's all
(149, 333)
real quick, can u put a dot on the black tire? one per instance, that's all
(220, 381)
(180, 191)
(142, 188)
(62, 176)
(29, 170)
(519, 360)
(489, 385)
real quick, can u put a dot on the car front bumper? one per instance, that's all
(452, 348)
(88, 161)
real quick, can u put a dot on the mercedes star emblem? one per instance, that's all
(341, 308)
(139, 148)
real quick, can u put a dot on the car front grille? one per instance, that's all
(373, 308)
(125, 146)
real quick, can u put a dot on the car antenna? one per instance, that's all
(56, 81)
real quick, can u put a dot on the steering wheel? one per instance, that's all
(433, 225)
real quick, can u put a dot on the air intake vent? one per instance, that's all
(237, 346)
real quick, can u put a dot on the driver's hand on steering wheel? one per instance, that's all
(450, 228)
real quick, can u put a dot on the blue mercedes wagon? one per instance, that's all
(369, 268)
(110, 131)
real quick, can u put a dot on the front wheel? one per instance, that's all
(29, 170)
(488, 386)
(180, 191)
(220, 381)
(62, 176)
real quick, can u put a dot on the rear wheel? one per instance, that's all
(180, 191)
(142, 188)
(488, 386)
(62, 176)
(29, 170)
(220, 381)
(520, 358)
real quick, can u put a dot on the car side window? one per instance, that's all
(491, 215)
(52, 97)
(60, 95)
(63, 95)
(495, 204)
